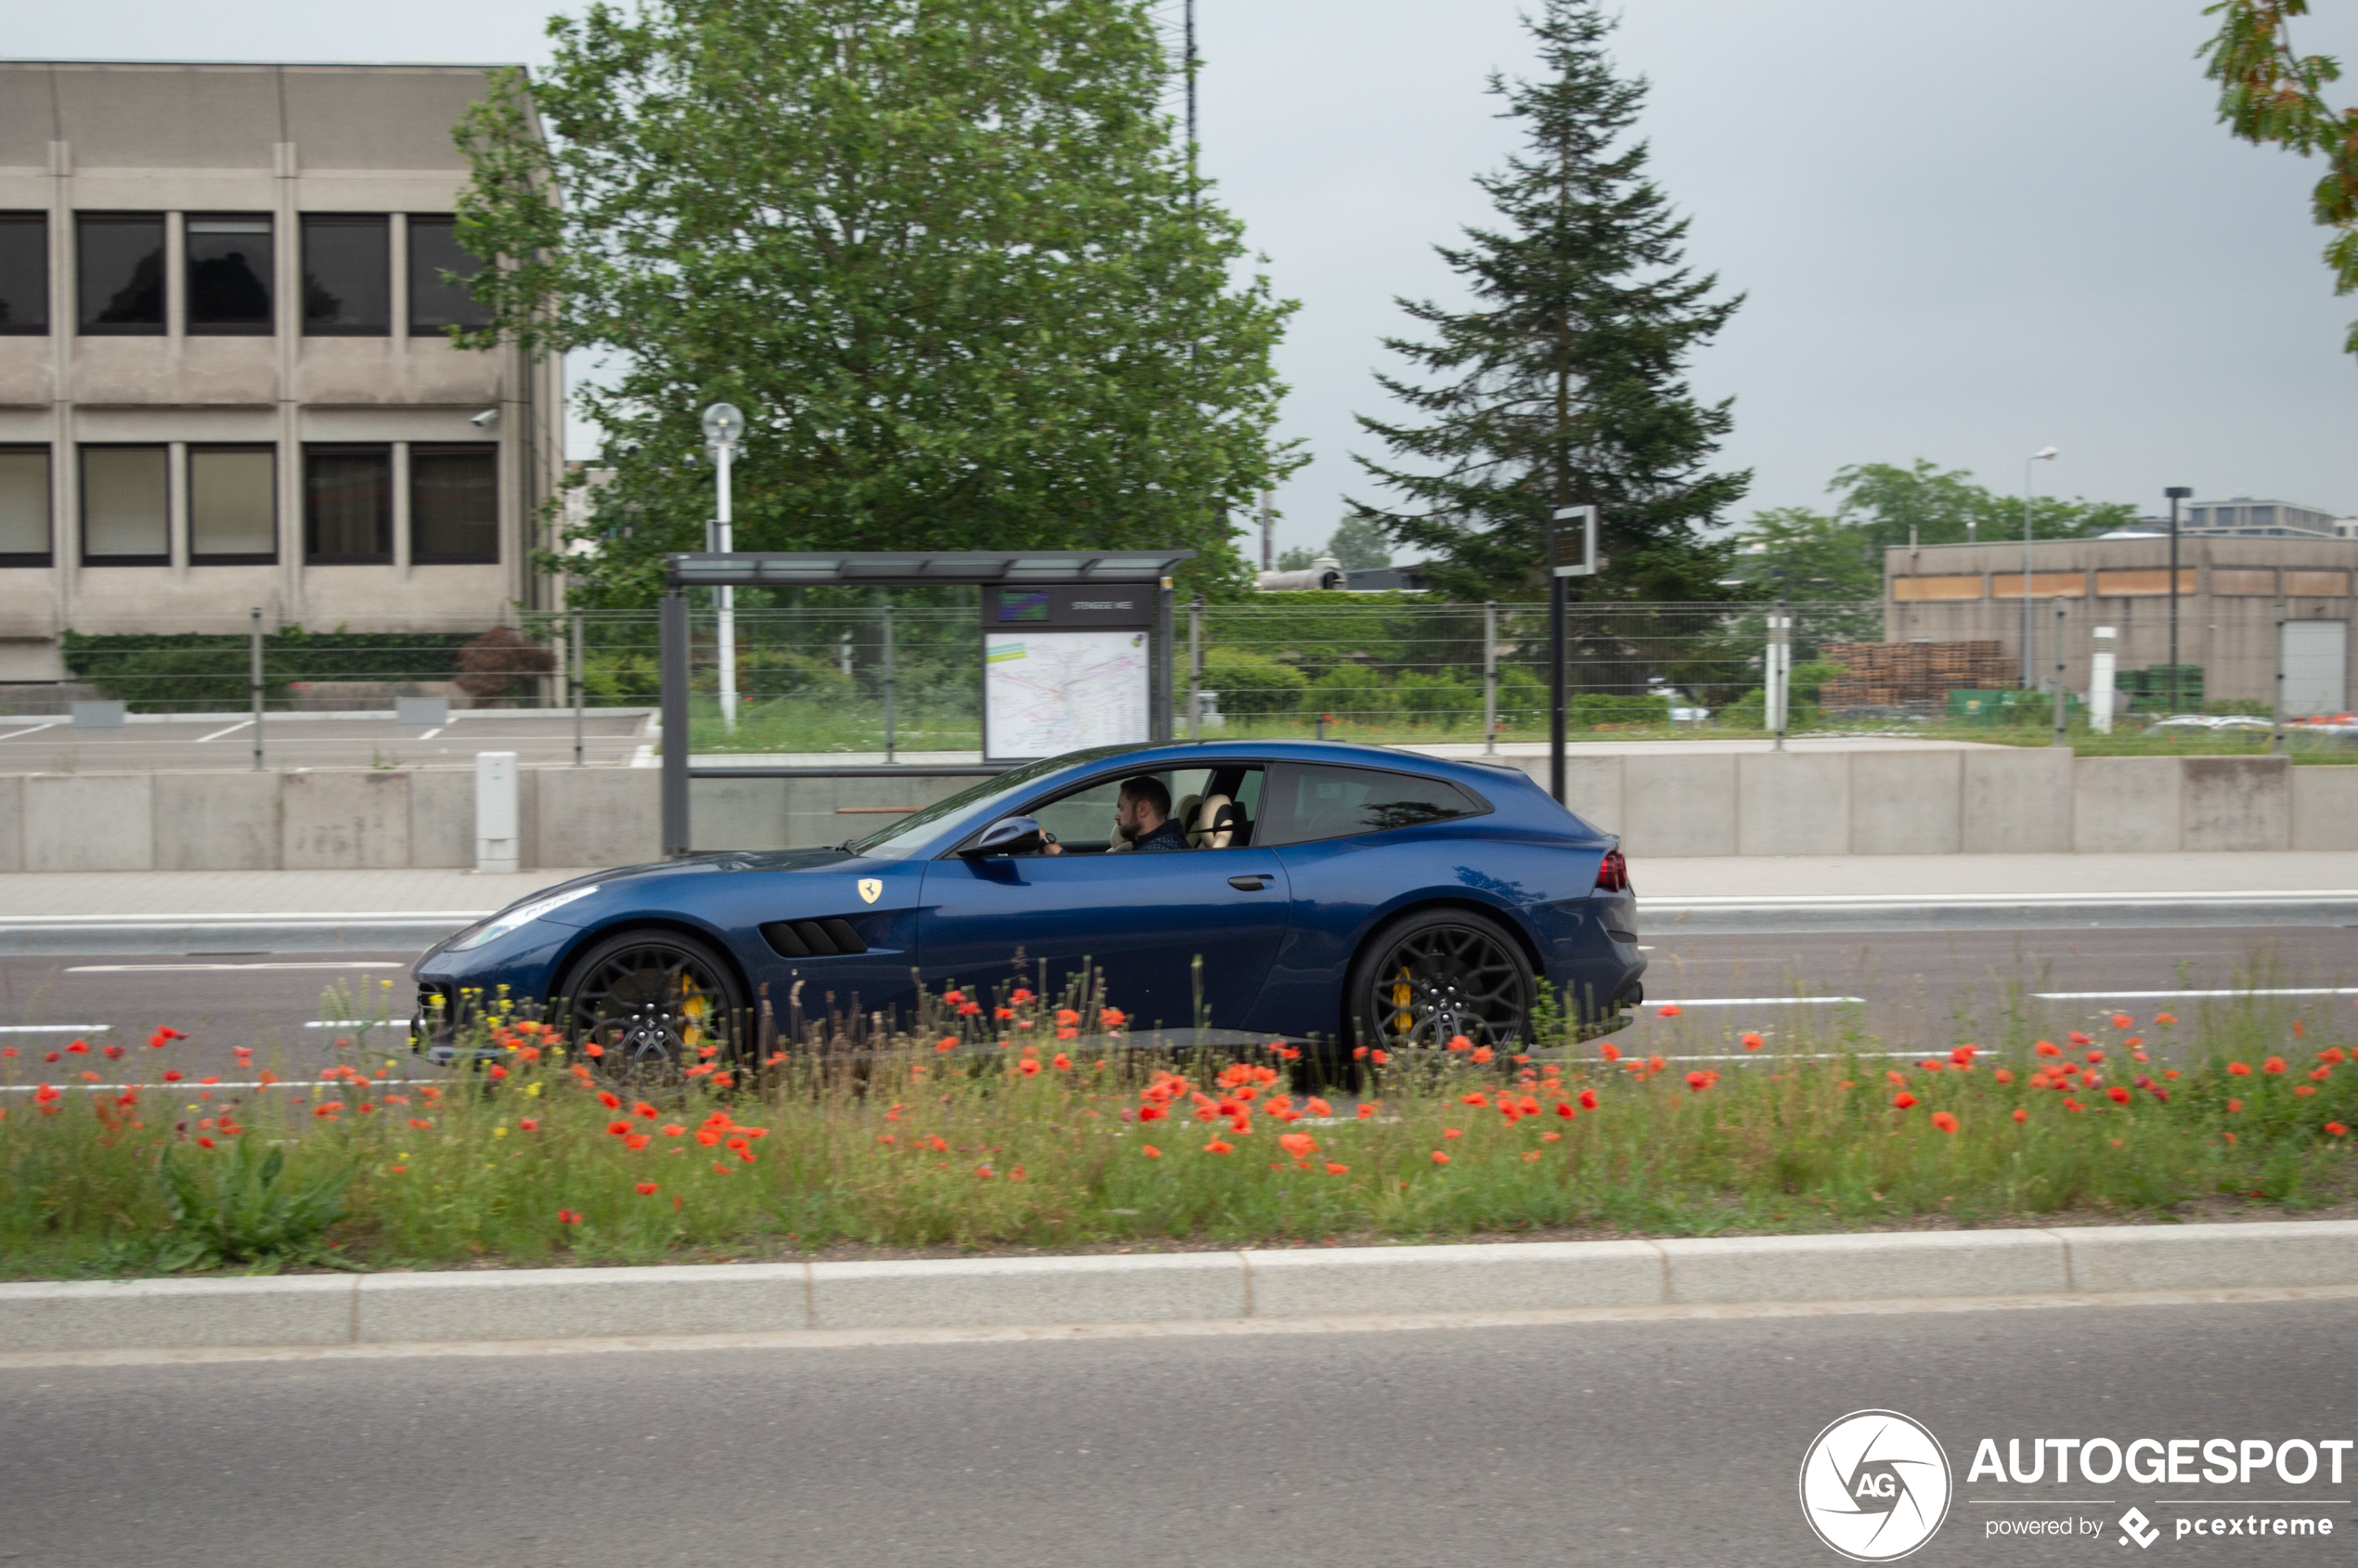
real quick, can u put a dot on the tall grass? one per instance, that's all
(1019, 1120)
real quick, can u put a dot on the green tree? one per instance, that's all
(2269, 93)
(1946, 506)
(1563, 384)
(1298, 559)
(946, 255)
(1358, 544)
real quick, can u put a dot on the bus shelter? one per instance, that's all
(1073, 648)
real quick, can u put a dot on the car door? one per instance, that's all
(1162, 928)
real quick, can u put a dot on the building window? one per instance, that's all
(454, 504)
(2263, 516)
(24, 506)
(125, 514)
(230, 274)
(2200, 517)
(433, 305)
(233, 506)
(119, 270)
(347, 275)
(24, 273)
(348, 506)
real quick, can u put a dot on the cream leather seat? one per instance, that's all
(1214, 825)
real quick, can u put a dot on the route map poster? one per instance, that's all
(1050, 691)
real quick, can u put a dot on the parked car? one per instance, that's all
(1329, 892)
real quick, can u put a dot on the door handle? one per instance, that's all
(1248, 884)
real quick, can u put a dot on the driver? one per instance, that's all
(1142, 814)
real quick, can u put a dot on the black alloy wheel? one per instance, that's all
(656, 1003)
(1430, 977)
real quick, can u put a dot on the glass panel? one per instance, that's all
(230, 274)
(348, 504)
(2263, 516)
(1309, 802)
(347, 273)
(123, 511)
(25, 272)
(454, 503)
(433, 305)
(121, 272)
(1083, 821)
(24, 504)
(233, 508)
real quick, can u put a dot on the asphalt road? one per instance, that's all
(1916, 990)
(1662, 1442)
(54, 745)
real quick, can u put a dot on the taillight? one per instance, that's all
(1613, 873)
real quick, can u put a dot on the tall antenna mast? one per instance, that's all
(1190, 47)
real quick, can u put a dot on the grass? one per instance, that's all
(1019, 1124)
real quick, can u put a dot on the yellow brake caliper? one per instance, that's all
(691, 1006)
(1402, 1021)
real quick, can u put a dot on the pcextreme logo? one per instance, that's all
(1875, 1485)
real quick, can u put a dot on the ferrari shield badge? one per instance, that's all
(871, 890)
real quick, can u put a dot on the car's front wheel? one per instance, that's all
(656, 1003)
(1436, 974)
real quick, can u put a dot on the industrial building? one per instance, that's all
(2243, 606)
(225, 378)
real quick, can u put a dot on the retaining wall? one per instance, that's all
(1664, 805)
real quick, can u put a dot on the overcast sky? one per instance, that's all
(1967, 228)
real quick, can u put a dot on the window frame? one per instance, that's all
(85, 325)
(38, 222)
(429, 278)
(46, 558)
(268, 325)
(421, 557)
(305, 223)
(82, 458)
(232, 558)
(1483, 805)
(315, 449)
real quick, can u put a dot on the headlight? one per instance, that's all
(508, 920)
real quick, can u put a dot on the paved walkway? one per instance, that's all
(33, 895)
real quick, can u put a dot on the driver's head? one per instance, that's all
(1144, 806)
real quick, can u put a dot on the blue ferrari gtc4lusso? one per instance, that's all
(1310, 890)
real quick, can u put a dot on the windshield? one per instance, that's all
(905, 837)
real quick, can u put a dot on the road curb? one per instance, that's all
(1166, 1287)
(179, 935)
(1990, 912)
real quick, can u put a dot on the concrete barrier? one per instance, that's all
(216, 822)
(346, 820)
(595, 816)
(12, 821)
(2325, 807)
(89, 822)
(1907, 802)
(1676, 805)
(442, 818)
(2235, 803)
(2018, 801)
(1793, 803)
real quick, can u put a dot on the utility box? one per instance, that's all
(98, 716)
(421, 713)
(499, 818)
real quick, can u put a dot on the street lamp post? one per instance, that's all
(723, 427)
(2176, 493)
(2044, 454)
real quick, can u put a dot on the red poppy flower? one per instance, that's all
(2122, 1020)
(2079, 1039)
(1218, 1146)
(1610, 1051)
(2273, 1063)
(2337, 1129)
(2048, 1048)
(2117, 1094)
(568, 1217)
(1698, 1082)
(2241, 1069)
(1903, 1099)
(2021, 1115)
(1150, 1151)
(646, 1189)
(2305, 1090)
(1367, 1113)
(1587, 1100)
(2004, 1075)
(1482, 1053)
(1944, 1122)
(1750, 1041)
(529, 1123)
(1299, 1145)
(2165, 1018)
(1669, 1009)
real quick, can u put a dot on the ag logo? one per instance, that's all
(1874, 1485)
(871, 890)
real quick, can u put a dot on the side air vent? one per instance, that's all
(813, 939)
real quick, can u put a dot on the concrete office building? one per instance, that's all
(2245, 518)
(2242, 603)
(224, 378)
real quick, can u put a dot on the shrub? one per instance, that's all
(492, 664)
(1251, 686)
(1439, 698)
(1351, 693)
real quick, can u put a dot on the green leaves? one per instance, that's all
(238, 1208)
(1564, 383)
(945, 256)
(2269, 93)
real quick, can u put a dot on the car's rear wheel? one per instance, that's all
(1437, 974)
(656, 1003)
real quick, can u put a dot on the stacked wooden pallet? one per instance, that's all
(1891, 675)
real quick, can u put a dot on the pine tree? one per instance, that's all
(1564, 386)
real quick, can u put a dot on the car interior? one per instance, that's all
(1217, 806)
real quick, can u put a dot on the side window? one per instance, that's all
(1083, 820)
(1312, 801)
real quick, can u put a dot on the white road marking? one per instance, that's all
(350, 1023)
(2167, 995)
(432, 733)
(218, 734)
(190, 1086)
(56, 1029)
(176, 968)
(32, 728)
(1758, 1001)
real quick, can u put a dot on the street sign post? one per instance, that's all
(1563, 560)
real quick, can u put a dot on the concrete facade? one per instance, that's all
(301, 160)
(2231, 593)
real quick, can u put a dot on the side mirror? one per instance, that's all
(1008, 835)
